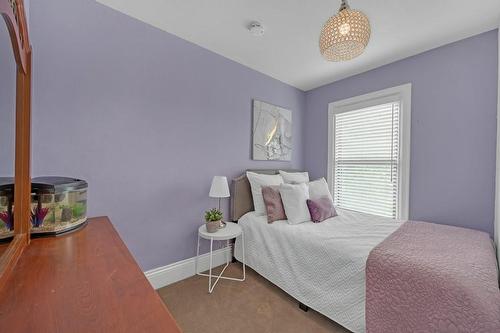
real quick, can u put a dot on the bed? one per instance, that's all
(324, 266)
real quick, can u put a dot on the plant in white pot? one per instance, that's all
(213, 218)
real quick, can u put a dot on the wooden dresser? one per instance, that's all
(86, 281)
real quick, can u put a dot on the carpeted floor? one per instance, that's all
(254, 305)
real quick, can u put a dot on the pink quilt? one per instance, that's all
(428, 277)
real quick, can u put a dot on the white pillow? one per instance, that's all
(294, 197)
(294, 177)
(319, 188)
(258, 180)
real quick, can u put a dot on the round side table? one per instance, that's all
(231, 231)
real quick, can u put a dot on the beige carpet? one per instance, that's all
(255, 306)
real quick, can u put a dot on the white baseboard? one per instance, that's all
(163, 276)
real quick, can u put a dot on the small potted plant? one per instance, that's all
(213, 217)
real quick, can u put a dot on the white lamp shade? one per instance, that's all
(219, 188)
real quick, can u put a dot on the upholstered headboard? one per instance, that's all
(241, 197)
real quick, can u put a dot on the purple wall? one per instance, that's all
(7, 102)
(453, 134)
(146, 117)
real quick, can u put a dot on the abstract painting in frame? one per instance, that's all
(272, 132)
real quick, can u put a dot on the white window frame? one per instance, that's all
(400, 93)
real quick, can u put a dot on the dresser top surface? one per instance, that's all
(85, 281)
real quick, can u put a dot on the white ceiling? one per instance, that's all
(289, 49)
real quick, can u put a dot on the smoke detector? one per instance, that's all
(256, 28)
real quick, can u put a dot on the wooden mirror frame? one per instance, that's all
(14, 15)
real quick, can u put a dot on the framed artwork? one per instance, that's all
(272, 132)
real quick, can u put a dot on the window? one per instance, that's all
(369, 152)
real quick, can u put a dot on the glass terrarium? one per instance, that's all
(6, 207)
(58, 204)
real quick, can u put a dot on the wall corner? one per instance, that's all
(497, 177)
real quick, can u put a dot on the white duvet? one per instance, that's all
(320, 264)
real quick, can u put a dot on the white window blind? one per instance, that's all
(367, 159)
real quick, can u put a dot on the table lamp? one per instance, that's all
(219, 189)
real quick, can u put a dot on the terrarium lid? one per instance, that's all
(6, 184)
(56, 183)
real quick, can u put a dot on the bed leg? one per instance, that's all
(303, 307)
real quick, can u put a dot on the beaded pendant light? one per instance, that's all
(345, 35)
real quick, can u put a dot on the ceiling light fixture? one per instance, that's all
(345, 35)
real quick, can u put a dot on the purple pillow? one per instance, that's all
(274, 205)
(321, 209)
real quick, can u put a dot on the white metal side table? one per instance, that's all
(231, 231)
